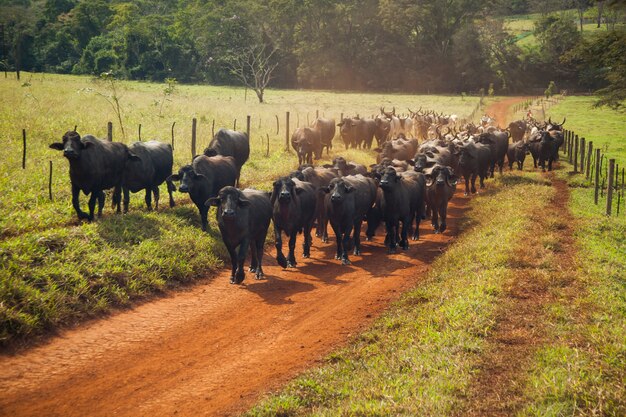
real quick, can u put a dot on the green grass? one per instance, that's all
(420, 357)
(56, 270)
(583, 370)
(605, 127)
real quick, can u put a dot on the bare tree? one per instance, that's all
(253, 66)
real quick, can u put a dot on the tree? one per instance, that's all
(254, 67)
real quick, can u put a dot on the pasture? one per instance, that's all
(57, 270)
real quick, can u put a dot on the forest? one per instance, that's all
(421, 46)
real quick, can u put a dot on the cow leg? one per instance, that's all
(148, 199)
(253, 258)
(404, 240)
(117, 199)
(346, 244)
(392, 229)
(467, 188)
(474, 183)
(92, 202)
(278, 243)
(307, 241)
(357, 238)
(258, 246)
(233, 263)
(338, 239)
(126, 193)
(534, 161)
(435, 222)
(204, 212)
(157, 194)
(291, 257)
(101, 198)
(418, 219)
(444, 215)
(550, 163)
(170, 190)
(241, 258)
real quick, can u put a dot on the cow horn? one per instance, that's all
(550, 120)
(393, 111)
(564, 119)
(75, 126)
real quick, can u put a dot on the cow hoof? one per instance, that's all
(233, 280)
(282, 261)
(416, 237)
(437, 231)
(356, 252)
(251, 269)
(466, 193)
(291, 264)
(346, 262)
(391, 251)
(306, 255)
(325, 240)
(442, 228)
(259, 275)
(337, 257)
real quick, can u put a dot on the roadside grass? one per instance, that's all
(603, 126)
(582, 371)
(419, 358)
(56, 270)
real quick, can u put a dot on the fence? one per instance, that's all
(598, 169)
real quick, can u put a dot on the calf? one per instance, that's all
(293, 204)
(243, 218)
(149, 165)
(403, 200)
(230, 143)
(347, 202)
(95, 165)
(517, 153)
(306, 142)
(204, 178)
(440, 187)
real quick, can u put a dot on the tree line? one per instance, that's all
(426, 46)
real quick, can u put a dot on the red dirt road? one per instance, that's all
(213, 350)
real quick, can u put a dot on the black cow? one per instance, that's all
(517, 153)
(543, 147)
(306, 142)
(228, 142)
(356, 132)
(440, 187)
(402, 149)
(320, 178)
(326, 130)
(383, 127)
(518, 130)
(243, 218)
(293, 204)
(403, 201)
(204, 178)
(95, 165)
(498, 144)
(343, 167)
(474, 160)
(149, 165)
(348, 200)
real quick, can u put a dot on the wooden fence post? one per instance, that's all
(24, 149)
(277, 125)
(235, 125)
(213, 129)
(248, 126)
(139, 132)
(193, 137)
(609, 195)
(576, 140)
(173, 124)
(582, 155)
(597, 181)
(267, 153)
(589, 152)
(110, 131)
(287, 131)
(50, 183)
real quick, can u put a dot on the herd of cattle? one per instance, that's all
(414, 177)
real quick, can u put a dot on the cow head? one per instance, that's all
(284, 190)
(441, 175)
(389, 179)
(555, 126)
(337, 189)
(187, 176)
(71, 145)
(228, 202)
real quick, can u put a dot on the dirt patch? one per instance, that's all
(498, 389)
(215, 349)
(501, 110)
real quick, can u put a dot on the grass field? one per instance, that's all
(55, 270)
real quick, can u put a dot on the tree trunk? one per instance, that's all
(259, 94)
(600, 9)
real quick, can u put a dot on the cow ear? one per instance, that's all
(328, 166)
(326, 189)
(86, 145)
(210, 152)
(243, 202)
(350, 166)
(197, 176)
(340, 124)
(57, 146)
(173, 177)
(348, 188)
(379, 150)
(133, 157)
(213, 201)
